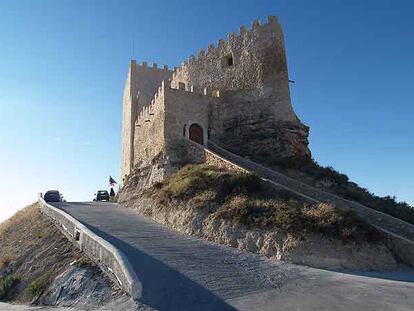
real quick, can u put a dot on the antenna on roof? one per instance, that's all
(132, 46)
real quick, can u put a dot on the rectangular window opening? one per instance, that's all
(229, 60)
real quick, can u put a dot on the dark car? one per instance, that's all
(102, 195)
(52, 196)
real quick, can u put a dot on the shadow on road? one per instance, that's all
(163, 287)
(402, 274)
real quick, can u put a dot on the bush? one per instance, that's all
(84, 262)
(6, 285)
(345, 224)
(37, 287)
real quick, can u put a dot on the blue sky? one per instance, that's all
(63, 65)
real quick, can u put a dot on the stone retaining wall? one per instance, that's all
(112, 261)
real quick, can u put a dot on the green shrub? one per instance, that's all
(6, 285)
(84, 262)
(37, 287)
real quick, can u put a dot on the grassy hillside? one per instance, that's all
(245, 199)
(33, 254)
(329, 179)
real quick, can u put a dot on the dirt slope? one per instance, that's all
(39, 265)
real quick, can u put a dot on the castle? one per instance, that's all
(235, 94)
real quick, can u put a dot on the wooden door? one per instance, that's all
(196, 134)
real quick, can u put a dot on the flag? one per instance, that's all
(112, 181)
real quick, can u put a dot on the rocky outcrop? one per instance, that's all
(266, 139)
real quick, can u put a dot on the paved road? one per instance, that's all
(15, 307)
(180, 272)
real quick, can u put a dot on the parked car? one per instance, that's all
(101, 195)
(52, 196)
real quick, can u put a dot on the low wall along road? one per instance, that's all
(107, 256)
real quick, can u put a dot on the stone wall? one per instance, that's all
(259, 65)
(149, 135)
(147, 81)
(184, 108)
(141, 85)
(129, 111)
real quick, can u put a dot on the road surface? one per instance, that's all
(179, 272)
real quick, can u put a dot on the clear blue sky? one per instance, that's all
(63, 65)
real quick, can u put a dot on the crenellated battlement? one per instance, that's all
(193, 89)
(244, 32)
(154, 66)
(149, 111)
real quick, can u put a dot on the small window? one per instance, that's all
(77, 234)
(229, 60)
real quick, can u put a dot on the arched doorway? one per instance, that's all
(195, 133)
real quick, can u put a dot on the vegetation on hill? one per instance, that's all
(33, 254)
(327, 178)
(245, 199)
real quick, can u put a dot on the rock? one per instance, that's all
(267, 139)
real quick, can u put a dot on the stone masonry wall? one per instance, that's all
(147, 81)
(184, 108)
(129, 111)
(259, 66)
(141, 85)
(149, 130)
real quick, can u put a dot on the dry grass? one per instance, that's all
(310, 172)
(5, 260)
(194, 179)
(32, 249)
(245, 199)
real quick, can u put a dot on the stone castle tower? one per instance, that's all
(235, 94)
